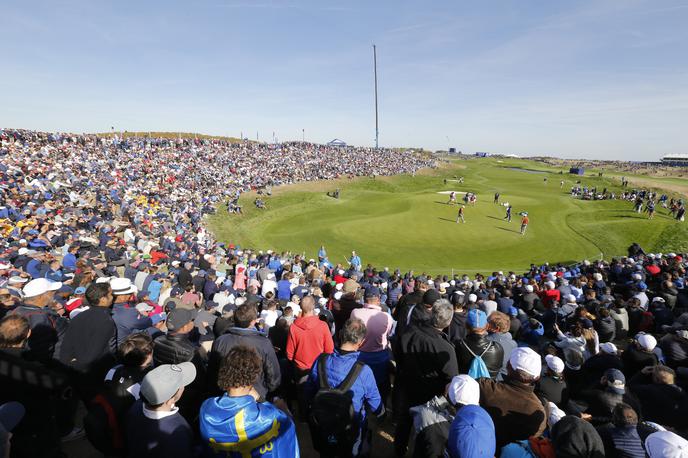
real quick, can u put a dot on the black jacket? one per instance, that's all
(529, 301)
(573, 437)
(634, 360)
(269, 379)
(184, 277)
(675, 350)
(90, 343)
(663, 404)
(457, 328)
(606, 329)
(478, 344)
(601, 402)
(40, 388)
(341, 309)
(427, 363)
(553, 389)
(595, 366)
(175, 349)
(47, 331)
(402, 309)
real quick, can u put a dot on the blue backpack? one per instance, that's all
(478, 368)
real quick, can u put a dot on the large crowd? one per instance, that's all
(125, 322)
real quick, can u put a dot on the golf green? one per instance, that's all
(405, 221)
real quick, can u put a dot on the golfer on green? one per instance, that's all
(460, 215)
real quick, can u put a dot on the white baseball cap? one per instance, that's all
(142, 307)
(646, 341)
(122, 287)
(40, 286)
(571, 298)
(555, 414)
(527, 360)
(529, 288)
(555, 363)
(463, 389)
(472, 298)
(609, 347)
(5, 265)
(665, 444)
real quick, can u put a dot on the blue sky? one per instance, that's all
(600, 79)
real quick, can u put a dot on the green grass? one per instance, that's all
(403, 222)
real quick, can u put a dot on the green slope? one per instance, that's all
(403, 222)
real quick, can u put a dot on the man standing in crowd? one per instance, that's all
(154, 426)
(364, 394)
(90, 343)
(244, 332)
(478, 344)
(308, 338)
(515, 409)
(427, 364)
(47, 327)
(375, 351)
(236, 422)
(124, 312)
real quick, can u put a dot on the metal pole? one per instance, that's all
(303, 135)
(377, 131)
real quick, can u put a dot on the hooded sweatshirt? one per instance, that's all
(308, 338)
(573, 437)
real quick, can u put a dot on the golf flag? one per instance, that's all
(240, 427)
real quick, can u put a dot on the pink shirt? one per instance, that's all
(378, 326)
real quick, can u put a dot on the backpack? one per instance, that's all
(331, 417)
(104, 420)
(478, 368)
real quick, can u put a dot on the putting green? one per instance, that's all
(405, 222)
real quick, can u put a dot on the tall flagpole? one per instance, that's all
(377, 131)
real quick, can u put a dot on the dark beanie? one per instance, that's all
(431, 296)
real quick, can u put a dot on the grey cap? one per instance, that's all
(160, 384)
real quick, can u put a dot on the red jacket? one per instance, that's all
(549, 296)
(308, 338)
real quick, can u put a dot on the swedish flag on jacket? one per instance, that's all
(243, 428)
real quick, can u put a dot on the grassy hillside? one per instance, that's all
(403, 222)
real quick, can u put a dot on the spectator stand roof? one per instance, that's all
(337, 142)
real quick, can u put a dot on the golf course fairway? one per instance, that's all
(405, 222)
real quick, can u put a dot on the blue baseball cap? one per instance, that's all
(616, 381)
(472, 434)
(513, 311)
(80, 290)
(476, 318)
(372, 291)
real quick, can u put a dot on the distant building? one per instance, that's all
(482, 154)
(676, 160)
(337, 142)
(577, 170)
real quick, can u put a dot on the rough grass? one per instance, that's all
(402, 221)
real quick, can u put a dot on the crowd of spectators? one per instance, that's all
(114, 297)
